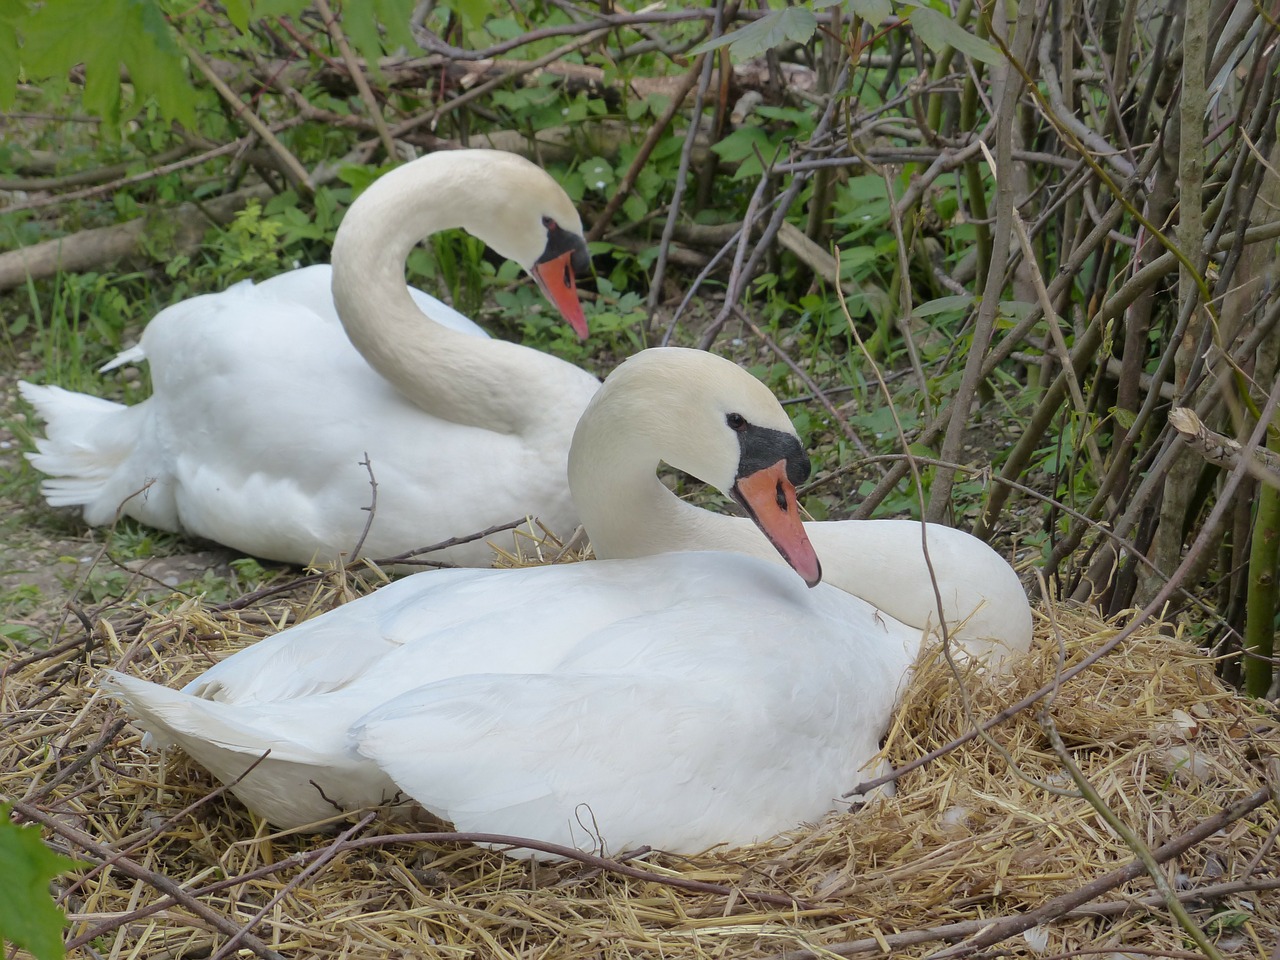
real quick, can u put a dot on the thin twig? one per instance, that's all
(357, 76)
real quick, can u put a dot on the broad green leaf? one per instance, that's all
(634, 207)
(129, 32)
(596, 173)
(472, 12)
(942, 305)
(28, 917)
(741, 144)
(237, 13)
(875, 12)
(11, 13)
(1126, 418)
(779, 26)
(360, 21)
(939, 31)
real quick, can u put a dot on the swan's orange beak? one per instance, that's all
(770, 500)
(555, 279)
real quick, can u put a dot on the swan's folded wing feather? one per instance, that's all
(544, 756)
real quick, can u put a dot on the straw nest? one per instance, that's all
(969, 847)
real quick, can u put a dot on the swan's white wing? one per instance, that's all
(451, 623)
(312, 287)
(726, 715)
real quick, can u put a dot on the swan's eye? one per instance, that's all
(736, 422)
(549, 224)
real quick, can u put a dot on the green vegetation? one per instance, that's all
(27, 917)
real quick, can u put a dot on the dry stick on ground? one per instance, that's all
(991, 930)
(116, 172)
(1154, 477)
(1157, 603)
(86, 757)
(91, 249)
(357, 76)
(130, 868)
(905, 305)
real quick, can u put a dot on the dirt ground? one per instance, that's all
(51, 563)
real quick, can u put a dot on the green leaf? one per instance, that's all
(237, 13)
(596, 173)
(360, 23)
(939, 31)
(875, 12)
(1126, 418)
(28, 917)
(942, 305)
(11, 13)
(779, 26)
(134, 33)
(472, 12)
(634, 207)
(741, 144)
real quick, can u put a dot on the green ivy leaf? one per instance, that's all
(779, 26)
(939, 31)
(28, 917)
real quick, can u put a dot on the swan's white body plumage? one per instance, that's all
(263, 409)
(681, 700)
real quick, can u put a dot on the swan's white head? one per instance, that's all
(710, 418)
(511, 204)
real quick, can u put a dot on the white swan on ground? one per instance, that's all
(262, 408)
(680, 700)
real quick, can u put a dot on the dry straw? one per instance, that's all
(988, 843)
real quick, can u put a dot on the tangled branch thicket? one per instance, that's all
(1067, 235)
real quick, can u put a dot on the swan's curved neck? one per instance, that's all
(626, 509)
(465, 379)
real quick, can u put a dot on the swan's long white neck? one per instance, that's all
(450, 375)
(629, 512)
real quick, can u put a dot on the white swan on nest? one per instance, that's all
(680, 700)
(264, 406)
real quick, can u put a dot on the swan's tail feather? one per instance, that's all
(133, 355)
(86, 441)
(168, 716)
